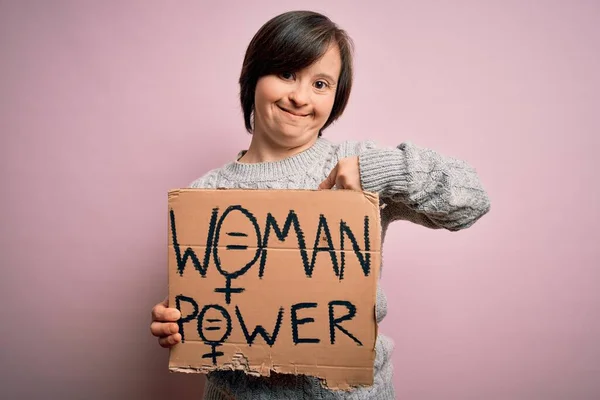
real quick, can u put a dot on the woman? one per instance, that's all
(295, 81)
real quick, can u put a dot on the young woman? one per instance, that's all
(295, 81)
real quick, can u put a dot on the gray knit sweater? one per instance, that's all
(414, 184)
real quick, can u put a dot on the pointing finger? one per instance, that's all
(329, 182)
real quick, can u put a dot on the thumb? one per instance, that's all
(329, 182)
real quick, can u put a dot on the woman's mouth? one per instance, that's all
(292, 113)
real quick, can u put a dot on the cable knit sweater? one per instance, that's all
(414, 184)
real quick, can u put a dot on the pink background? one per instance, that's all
(104, 106)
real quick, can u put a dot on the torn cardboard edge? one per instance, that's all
(325, 383)
(195, 211)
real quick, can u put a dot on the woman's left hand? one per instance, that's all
(345, 175)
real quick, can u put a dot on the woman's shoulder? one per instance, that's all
(212, 178)
(351, 148)
(207, 181)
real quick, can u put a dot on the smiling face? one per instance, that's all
(292, 107)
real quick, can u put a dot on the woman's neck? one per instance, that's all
(264, 150)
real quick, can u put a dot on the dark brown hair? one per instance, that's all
(288, 43)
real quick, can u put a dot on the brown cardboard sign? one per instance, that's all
(275, 280)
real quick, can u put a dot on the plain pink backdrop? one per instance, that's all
(105, 105)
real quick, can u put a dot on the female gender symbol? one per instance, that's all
(228, 290)
(214, 343)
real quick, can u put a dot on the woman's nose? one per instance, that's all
(300, 95)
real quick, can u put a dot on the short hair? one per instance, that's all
(290, 42)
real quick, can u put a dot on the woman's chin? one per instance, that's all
(289, 136)
(295, 137)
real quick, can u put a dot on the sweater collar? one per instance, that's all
(273, 170)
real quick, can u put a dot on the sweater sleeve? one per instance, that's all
(422, 186)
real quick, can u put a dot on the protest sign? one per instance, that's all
(275, 280)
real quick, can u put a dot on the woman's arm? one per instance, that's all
(422, 186)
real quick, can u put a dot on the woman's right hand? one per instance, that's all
(164, 324)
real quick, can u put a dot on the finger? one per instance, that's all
(348, 176)
(329, 182)
(161, 329)
(170, 341)
(158, 310)
(343, 181)
(162, 313)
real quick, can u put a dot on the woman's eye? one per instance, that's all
(287, 75)
(321, 84)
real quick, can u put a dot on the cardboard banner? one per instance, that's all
(275, 280)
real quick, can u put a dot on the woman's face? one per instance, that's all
(291, 108)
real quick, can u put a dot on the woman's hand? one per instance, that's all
(345, 175)
(164, 324)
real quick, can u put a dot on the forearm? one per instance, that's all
(445, 190)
